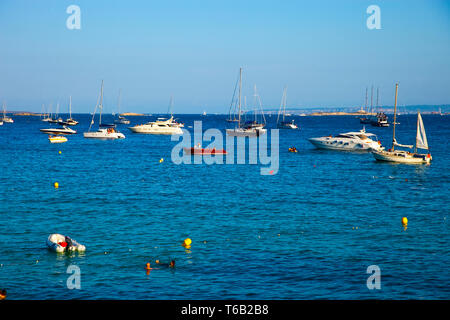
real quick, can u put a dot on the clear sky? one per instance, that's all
(321, 50)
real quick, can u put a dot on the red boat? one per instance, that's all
(204, 151)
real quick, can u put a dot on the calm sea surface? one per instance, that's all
(308, 232)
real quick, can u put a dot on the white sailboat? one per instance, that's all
(46, 116)
(401, 156)
(251, 129)
(56, 119)
(285, 124)
(102, 132)
(69, 121)
(5, 118)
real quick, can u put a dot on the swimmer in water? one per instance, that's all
(2, 294)
(170, 265)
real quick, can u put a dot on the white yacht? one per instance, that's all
(401, 156)
(349, 141)
(160, 126)
(104, 132)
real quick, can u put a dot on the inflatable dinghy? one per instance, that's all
(60, 243)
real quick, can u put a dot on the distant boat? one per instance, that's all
(250, 128)
(365, 119)
(6, 119)
(204, 113)
(104, 131)
(69, 121)
(46, 116)
(120, 119)
(400, 156)
(285, 124)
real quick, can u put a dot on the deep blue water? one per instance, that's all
(308, 232)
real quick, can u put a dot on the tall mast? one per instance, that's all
(371, 100)
(101, 104)
(365, 107)
(378, 89)
(118, 102)
(240, 88)
(70, 107)
(395, 116)
(417, 133)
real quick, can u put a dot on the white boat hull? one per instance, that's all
(245, 132)
(342, 144)
(7, 120)
(402, 157)
(58, 131)
(152, 129)
(104, 135)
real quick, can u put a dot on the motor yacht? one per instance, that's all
(160, 126)
(349, 141)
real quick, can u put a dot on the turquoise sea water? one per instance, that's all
(308, 232)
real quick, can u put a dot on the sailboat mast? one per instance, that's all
(371, 100)
(101, 104)
(417, 132)
(70, 107)
(378, 89)
(240, 88)
(118, 102)
(395, 116)
(365, 106)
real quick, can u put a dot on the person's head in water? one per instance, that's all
(172, 264)
(2, 294)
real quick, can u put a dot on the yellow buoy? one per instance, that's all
(404, 221)
(161, 160)
(60, 152)
(56, 185)
(187, 242)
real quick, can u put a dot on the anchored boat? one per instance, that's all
(104, 132)
(285, 124)
(401, 156)
(250, 128)
(160, 126)
(349, 141)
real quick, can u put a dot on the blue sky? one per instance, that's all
(321, 50)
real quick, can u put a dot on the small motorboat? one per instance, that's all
(63, 130)
(122, 120)
(199, 150)
(57, 139)
(60, 243)
(293, 149)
